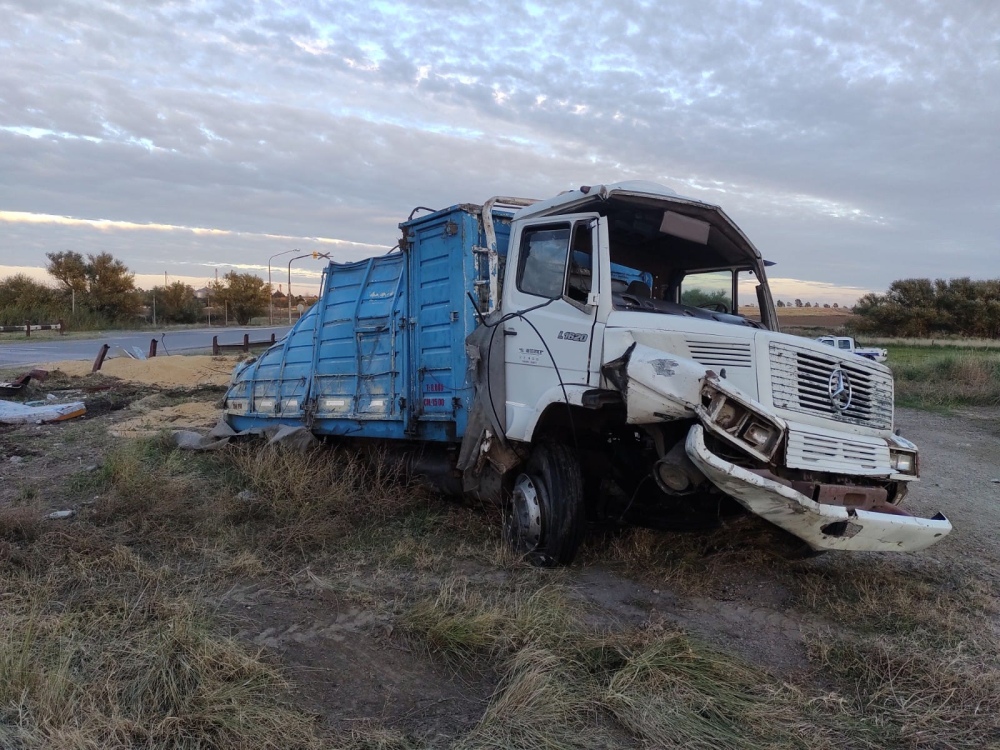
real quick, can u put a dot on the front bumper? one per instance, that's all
(821, 526)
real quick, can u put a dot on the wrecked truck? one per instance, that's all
(583, 360)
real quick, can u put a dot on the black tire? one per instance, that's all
(546, 519)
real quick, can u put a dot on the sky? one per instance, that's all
(854, 142)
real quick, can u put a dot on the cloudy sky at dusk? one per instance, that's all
(854, 142)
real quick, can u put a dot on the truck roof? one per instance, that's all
(571, 199)
(659, 209)
(645, 209)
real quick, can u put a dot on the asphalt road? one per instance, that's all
(29, 353)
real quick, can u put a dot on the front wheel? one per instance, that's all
(546, 520)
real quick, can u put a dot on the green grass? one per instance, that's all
(934, 377)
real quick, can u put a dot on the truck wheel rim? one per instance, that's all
(527, 512)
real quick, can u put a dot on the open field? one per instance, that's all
(260, 598)
(940, 377)
(807, 321)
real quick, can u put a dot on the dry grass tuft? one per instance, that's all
(20, 524)
(303, 502)
(697, 563)
(463, 623)
(566, 685)
(895, 598)
(915, 653)
(151, 489)
(96, 653)
(921, 696)
(543, 700)
(368, 735)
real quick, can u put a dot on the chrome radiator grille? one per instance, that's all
(807, 381)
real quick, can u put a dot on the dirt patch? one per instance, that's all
(960, 477)
(347, 665)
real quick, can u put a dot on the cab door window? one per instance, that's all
(544, 253)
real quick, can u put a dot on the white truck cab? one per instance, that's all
(632, 386)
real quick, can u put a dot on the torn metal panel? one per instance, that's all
(656, 386)
(821, 526)
(14, 413)
(20, 383)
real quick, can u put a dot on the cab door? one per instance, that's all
(551, 300)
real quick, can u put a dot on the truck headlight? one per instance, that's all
(736, 420)
(903, 462)
(759, 434)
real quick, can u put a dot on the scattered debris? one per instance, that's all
(296, 438)
(14, 413)
(59, 515)
(246, 496)
(131, 352)
(18, 384)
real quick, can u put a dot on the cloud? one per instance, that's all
(854, 144)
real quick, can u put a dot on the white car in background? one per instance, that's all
(847, 343)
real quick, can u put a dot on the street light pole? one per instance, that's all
(270, 291)
(307, 255)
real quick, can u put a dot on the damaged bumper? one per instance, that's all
(821, 526)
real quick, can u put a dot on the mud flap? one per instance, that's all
(822, 527)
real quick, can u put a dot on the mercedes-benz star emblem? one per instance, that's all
(840, 390)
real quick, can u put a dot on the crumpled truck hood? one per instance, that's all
(659, 371)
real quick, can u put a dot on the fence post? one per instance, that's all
(152, 348)
(246, 342)
(27, 328)
(273, 339)
(62, 327)
(215, 346)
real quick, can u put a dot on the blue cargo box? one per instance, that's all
(382, 353)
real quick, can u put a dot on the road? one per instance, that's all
(30, 353)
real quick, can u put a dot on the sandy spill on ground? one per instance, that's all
(193, 415)
(176, 371)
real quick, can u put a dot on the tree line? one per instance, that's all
(919, 308)
(799, 303)
(99, 290)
